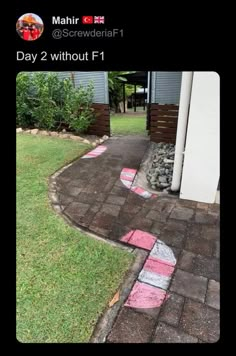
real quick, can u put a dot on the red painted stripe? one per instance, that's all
(127, 237)
(154, 265)
(142, 239)
(129, 170)
(145, 296)
(130, 179)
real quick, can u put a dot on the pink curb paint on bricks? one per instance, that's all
(145, 296)
(149, 290)
(156, 266)
(163, 253)
(154, 279)
(139, 238)
(96, 152)
(127, 176)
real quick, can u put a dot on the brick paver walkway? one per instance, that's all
(92, 196)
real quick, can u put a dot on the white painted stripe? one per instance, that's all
(161, 251)
(126, 183)
(154, 279)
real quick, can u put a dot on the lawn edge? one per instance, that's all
(106, 321)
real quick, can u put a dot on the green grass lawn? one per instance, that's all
(128, 125)
(64, 278)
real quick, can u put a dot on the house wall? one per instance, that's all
(100, 81)
(201, 168)
(166, 87)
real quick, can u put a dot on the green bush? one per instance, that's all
(23, 101)
(44, 101)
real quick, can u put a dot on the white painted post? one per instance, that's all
(202, 157)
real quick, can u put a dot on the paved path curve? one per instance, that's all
(92, 195)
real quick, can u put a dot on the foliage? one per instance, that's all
(115, 81)
(44, 101)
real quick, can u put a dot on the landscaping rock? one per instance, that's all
(64, 130)
(54, 133)
(101, 140)
(86, 141)
(160, 173)
(44, 133)
(64, 136)
(19, 130)
(34, 131)
(75, 138)
(105, 137)
(27, 131)
(94, 144)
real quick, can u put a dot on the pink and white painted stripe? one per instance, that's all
(96, 152)
(145, 296)
(153, 280)
(127, 176)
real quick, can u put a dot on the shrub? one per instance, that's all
(45, 101)
(81, 115)
(23, 101)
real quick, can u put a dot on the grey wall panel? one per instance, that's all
(166, 87)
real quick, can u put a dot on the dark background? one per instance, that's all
(161, 38)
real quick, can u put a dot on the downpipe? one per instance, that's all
(185, 96)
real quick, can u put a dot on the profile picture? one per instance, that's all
(29, 27)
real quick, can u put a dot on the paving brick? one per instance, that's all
(194, 231)
(186, 203)
(202, 206)
(73, 191)
(201, 321)
(211, 233)
(176, 225)
(171, 309)
(116, 200)
(132, 209)
(118, 230)
(189, 285)
(86, 198)
(75, 210)
(186, 261)
(199, 246)
(168, 334)
(157, 227)
(204, 218)
(182, 213)
(110, 209)
(140, 223)
(65, 199)
(207, 267)
(100, 197)
(119, 191)
(109, 185)
(216, 249)
(173, 237)
(125, 218)
(213, 294)
(214, 208)
(134, 199)
(153, 312)
(100, 231)
(132, 327)
(157, 216)
(103, 221)
(164, 206)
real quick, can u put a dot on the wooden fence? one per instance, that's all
(102, 124)
(163, 122)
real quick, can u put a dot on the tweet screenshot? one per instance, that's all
(117, 185)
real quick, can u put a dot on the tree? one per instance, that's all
(115, 82)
